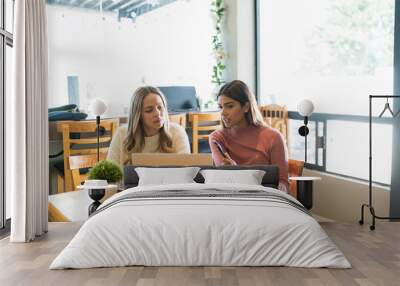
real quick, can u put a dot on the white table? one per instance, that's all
(72, 206)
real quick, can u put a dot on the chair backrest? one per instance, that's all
(179, 118)
(80, 138)
(82, 161)
(202, 125)
(295, 170)
(276, 116)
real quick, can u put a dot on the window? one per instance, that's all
(335, 53)
(342, 159)
(297, 146)
(9, 19)
(2, 127)
(6, 40)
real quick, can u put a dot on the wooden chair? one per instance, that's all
(179, 118)
(276, 116)
(80, 162)
(202, 125)
(295, 170)
(79, 138)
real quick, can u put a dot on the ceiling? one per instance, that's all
(124, 8)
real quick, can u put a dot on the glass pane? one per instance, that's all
(331, 51)
(8, 81)
(320, 150)
(297, 142)
(9, 15)
(296, 149)
(1, 16)
(320, 157)
(311, 143)
(348, 150)
(2, 175)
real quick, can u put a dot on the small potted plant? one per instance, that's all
(106, 170)
(102, 174)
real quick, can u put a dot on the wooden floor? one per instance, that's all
(375, 257)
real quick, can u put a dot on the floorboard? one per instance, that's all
(375, 257)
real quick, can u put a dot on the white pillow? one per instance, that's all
(249, 177)
(166, 176)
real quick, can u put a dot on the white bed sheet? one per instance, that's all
(200, 231)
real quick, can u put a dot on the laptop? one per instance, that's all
(164, 159)
(180, 98)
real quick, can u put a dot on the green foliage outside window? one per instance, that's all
(356, 39)
(218, 11)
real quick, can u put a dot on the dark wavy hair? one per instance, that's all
(239, 91)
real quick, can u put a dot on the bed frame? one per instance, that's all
(270, 179)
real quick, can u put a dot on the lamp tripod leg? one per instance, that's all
(361, 221)
(372, 210)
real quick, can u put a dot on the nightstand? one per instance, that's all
(96, 194)
(305, 190)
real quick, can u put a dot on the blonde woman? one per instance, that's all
(244, 138)
(148, 130)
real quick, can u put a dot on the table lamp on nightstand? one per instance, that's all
(305, 108)
(98, 107)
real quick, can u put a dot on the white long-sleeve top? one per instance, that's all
(116, 151)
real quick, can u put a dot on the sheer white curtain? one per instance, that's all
(29, 132)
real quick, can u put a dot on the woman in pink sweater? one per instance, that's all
(245, 139)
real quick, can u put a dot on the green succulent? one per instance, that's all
(106, 170)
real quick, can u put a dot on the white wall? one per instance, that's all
(168, 46)
(340, 199)
(240, 37)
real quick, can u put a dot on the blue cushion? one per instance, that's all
(65, 115)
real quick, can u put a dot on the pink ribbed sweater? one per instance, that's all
(253, 145)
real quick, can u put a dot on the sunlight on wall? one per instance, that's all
(167, 46)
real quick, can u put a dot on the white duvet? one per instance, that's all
(200, 231)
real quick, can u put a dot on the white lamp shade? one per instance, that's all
(305, 107)
(98, 107)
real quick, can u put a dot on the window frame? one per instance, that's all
(6, 39)
(323, 118)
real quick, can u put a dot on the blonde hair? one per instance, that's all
(239, 91)
(134, 141)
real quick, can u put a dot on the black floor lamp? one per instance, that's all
(305, 108)
(98, 108)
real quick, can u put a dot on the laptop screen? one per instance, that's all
(180, 98)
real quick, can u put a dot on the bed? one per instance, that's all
(201, 224)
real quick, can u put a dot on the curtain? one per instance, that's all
(29, 131)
